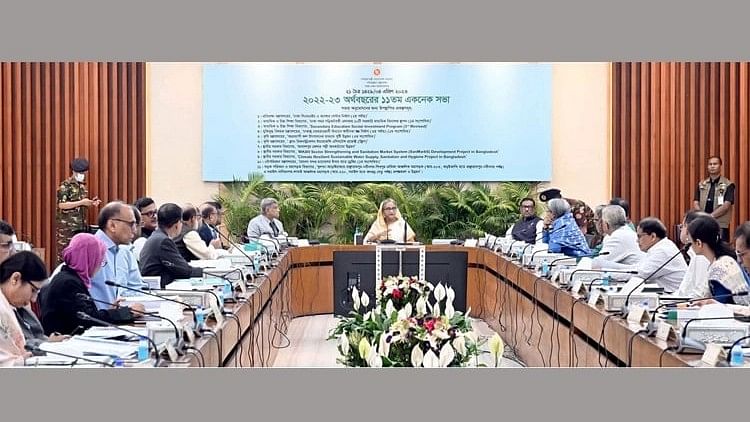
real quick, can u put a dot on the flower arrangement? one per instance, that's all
(412, 323)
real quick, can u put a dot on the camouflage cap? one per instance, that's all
(80, 165)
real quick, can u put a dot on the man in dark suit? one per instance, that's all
(207, 229)
(160, 256)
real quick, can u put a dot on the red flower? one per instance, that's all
(397, 294)
(429, 325)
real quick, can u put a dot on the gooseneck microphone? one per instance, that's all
(603, 271)
(627, 298)
(177, 335)
(187, 305)
(236, 246)
(86, 317)
(219, 302)
(691, 346)
(652, 328)
(36, 349)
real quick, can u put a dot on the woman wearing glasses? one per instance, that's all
(389, 225)
(68, 292)
(725, 276)
(21, 277)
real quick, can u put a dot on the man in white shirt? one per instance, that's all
(267, 223)
(189, 242)
(695, 282)
(652, 239)
(620, 243)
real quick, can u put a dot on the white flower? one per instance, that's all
(441, 334)
(467, 313)
(430, 360)
(389, 308)
(384, 347)
(408, 310)
(450, 294)
(449, 311)
(421, 306)
(439, 292)
(355, 298)
(373, 358)
(416, 356)
(376, 310)
(402, 314)
(460, 345)
(436, 310)
(446, 355)
(367, 316)
(496, 347)
(344, 344)
(365, 299)
(364, 348)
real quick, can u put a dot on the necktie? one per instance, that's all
(274, 228)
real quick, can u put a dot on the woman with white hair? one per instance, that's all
(564, 236)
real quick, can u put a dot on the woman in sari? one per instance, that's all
(725, 275)
(389, 225)
(21, 277)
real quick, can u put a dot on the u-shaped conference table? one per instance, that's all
(545, 324)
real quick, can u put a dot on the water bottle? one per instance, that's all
(606, 279)
(228, 290)
(200, 318)
(357, 236)
(143, 349)
(545, 268)
(736, 357)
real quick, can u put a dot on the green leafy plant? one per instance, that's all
(333, 211)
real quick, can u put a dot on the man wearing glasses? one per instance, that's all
(117, 226)
(147, 208)
(529, 228)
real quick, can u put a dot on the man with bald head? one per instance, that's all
(117, 225)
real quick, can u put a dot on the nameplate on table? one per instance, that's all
(714, 352)
(595, 297)
(577, 287)
(665, 331)
(637, 314)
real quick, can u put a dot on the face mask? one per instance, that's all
(80, 177)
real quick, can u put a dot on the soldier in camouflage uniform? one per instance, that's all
(582, 213)
(72, 205)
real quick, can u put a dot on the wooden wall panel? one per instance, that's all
(53, 112)
(668, 118)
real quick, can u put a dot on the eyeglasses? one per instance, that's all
(640, 235)
(34, 289)
(7, 245)
(148, 214)
(527, 206)
(132, 224)
(741, 253)
(390, 208)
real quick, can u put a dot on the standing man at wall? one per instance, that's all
(72, 205)
(715, 196)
